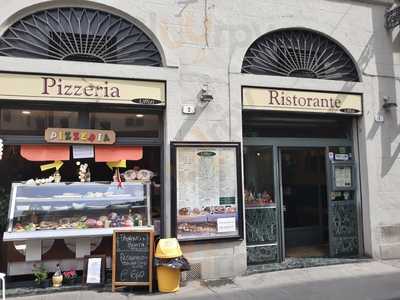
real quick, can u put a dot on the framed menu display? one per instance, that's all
(343, 176)
(207, 191)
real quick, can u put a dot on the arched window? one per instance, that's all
(299, 53)
(79, 34)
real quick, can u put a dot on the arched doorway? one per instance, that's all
(301, 197)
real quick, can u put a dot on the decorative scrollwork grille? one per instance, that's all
(392, 18)
(299, 53)
(79, 34)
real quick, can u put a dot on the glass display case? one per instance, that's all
(76, 209)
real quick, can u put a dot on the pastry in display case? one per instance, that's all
(262, 199)
(195, 222)
(67, 207)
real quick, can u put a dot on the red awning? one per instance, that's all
(117, 153)
(45, 152)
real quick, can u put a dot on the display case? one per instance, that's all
(61, 210)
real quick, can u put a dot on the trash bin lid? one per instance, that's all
(168, 248)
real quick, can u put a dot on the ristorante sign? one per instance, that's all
(80, 89)
(301, 101)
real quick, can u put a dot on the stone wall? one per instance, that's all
(203, 42)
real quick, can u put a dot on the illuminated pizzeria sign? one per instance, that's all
(79, 136)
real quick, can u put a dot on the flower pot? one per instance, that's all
(57, 281)
(71, 281)
(44, 284)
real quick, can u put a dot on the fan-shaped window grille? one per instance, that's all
(79, 34)
(299, 53)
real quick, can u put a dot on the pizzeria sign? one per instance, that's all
(301, 101)
(79, 136)
(45, 87)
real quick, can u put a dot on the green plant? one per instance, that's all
(40, 273)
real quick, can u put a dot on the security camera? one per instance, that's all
(205, 95)
(389, 103)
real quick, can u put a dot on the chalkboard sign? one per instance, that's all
(132, 258)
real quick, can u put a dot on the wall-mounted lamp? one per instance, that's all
(205, 95)
(389, 103)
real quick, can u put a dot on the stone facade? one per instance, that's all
(204, 41)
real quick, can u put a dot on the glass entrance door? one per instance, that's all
(261, 207)
(304, 199)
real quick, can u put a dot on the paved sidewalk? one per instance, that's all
(375, 280)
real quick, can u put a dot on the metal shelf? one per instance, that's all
(79, 199)
(261, 207)
(64, 233)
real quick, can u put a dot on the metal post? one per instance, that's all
(3, 285)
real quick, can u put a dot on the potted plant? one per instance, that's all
(41, 276)
(70, 276)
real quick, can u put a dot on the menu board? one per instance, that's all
(343, 176)
(207, 192)
(132, 257)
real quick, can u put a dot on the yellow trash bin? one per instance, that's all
(168, 278)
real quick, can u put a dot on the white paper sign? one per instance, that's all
(94, 270)
(226, 224)
(82, 151)
(341, 156)
(343, 177)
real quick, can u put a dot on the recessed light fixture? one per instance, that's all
(139, 116)
(26, 112)
(258, 154)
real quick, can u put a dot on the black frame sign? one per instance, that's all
(206, 191)
(94, 270)
(132, 260)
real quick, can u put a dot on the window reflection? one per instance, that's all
(18, 121)
(127, 124)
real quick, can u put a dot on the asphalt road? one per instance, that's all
(375, 280)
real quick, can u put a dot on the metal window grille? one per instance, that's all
(299, 53)
(392, 18)
(80, 34)
(193, 274)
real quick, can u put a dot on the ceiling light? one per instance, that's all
(139, 116)
(26, 112)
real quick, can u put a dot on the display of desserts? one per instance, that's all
(112, 220)
(203, 220)
(137, 174)
(206, 227)
(252, 199)
(79, 206)
(207, 210)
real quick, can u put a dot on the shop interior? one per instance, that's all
(133, 130)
